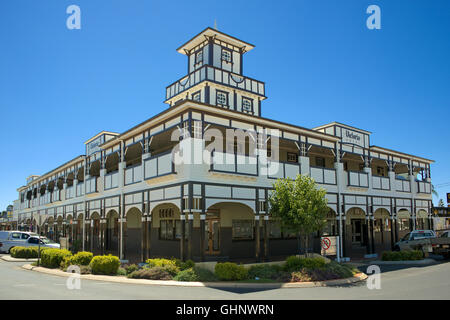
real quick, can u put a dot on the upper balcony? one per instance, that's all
(216, 75)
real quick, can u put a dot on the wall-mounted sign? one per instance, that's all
(93, 146)
(448, 198)
(352, 137)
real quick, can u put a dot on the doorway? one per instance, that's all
(212, 236)
(357, 231)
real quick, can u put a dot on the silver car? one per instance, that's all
(32, 241)
(17, 236)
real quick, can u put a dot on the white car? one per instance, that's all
(18, 236)
(32, 241)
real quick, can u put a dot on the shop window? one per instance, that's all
(242, 229)
(330, 228)
(166, 230)
(377, 225)
(262, 206)
(387, 224)
(116, 227)
(403, 224)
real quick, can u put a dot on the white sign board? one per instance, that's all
(93, 146)
(328, 245)
(352, 137)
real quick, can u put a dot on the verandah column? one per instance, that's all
(183, 234)
(143, 237)
(190, 231)
(149, 236)
(202, 235)
(391, 218)
(257, 238)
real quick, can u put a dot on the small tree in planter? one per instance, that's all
(300, 205)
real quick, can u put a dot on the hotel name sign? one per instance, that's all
(352, 137)
(93, 146)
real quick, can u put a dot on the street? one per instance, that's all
(424, 282)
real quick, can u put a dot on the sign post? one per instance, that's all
(330, 246)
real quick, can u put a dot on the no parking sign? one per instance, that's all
(328, 245)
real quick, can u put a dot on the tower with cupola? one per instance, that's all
(215, 74)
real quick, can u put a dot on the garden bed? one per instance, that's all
(293, 270)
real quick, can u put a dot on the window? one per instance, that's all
(166, 230)
(15, 236)
(33, 241)
(403, 224)
(320, 162)
(242, 229)
(377, 225)
(222, 98)
(292, 157)
(275, 229)
(199, 57)
(247, 105)
(196, 96)
(226, 55)
(116, 227)
(25, 236)
(380, 171)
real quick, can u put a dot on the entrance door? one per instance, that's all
(357, 231)
(212, 229)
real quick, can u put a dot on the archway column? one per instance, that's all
(183, 234)
(202, 235)
(391, 218)
(372, 233)
(190, 231)
(148, 236)
(143, 237)
(266, 237)
(102, 235)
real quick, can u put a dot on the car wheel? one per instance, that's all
(396, 248)
(9, 251)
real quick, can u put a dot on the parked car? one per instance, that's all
(425, 240)
(21, 236)
(32, 241)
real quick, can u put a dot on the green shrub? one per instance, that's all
(52, 258)
(342, 271)
(188, 264)
(230, 271)
(25, 252)
(105, 265)
(82, 258)
(131, 268)
(205, 275)
(402, 255)
(122, 272)
(264, 271)
(168, 265)
(187, 275)
(294, 263)
(155, 273)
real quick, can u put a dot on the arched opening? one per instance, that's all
(80, 175)
(382, 229)
(404, 222)
(133, 155)
(42, 190)
(112, 162)
(95, 233)
(133, 235)
(331, 224)
(59, 228)
(94, 169)
(230, 230)
(112, 233)
(69, 179)
(422, 220)
(50, 228)
(166, 229)
(356, 232)
(78, 233)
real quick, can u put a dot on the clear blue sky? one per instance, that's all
(59, 87)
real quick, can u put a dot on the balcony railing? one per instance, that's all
(234, 163)
(358, 179)
(133, 174)
(159, 165)
(80, 189)
(402, 185)
(381, 183)
(91, 185)
(280, 170)
(423, 187)
(111, 180)
(70, 192)
(213, 74)
(323, 175)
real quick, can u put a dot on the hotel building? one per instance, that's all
(126, 195)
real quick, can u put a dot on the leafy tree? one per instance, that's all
(300, 205)
(441, 203)
(433, 191)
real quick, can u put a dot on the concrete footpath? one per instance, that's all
(121, 279)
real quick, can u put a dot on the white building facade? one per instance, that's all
(131, 195)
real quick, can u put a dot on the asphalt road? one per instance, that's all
(429, 282)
